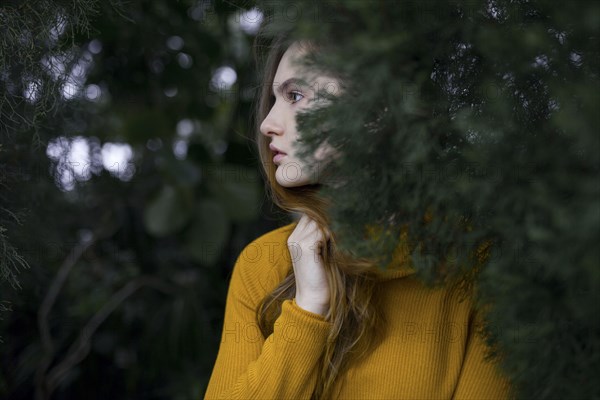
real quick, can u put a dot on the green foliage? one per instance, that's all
(209, 234)
(167, 213)
(30, 36)
(11, 261)
(129, 262)
(482, 116)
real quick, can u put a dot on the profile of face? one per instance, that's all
(293, 93)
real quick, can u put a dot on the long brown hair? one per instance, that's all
(357, 323)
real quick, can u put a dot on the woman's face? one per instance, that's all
(293, 93)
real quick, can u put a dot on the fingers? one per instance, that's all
(307, 229)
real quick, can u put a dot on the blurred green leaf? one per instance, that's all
(139, 125)
(237, 189)
(166, 213)
(206, 239)
(183, 172)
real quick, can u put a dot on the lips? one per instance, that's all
(278, 157)
(275, 149)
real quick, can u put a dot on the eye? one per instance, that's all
(292, 95)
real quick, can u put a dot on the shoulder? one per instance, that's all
(268, 248)
(265, 261)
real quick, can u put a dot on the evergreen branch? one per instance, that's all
(10, 261)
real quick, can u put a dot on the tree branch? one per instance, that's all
(50, 299)
(80, 348)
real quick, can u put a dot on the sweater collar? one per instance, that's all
(396, 271)
(400, 265)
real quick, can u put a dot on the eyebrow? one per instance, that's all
(287, 83)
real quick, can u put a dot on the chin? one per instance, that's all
(291, 184)
(287, 181)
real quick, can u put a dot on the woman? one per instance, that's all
(304, 320)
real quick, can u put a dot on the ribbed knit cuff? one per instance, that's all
(309, 313)
(300, 325)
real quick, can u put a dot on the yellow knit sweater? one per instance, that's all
(431, 350)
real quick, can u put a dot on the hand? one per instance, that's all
(305, 244)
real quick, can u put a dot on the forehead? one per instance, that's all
(288, 65)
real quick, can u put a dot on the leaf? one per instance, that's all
(183, 172)
(140, 124)
(209, 232)
(167, 213)
(237, 189)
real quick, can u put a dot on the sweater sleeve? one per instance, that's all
(249, 367)
(480, 378)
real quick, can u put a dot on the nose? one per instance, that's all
(270, 125)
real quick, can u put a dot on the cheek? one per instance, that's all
(325, 152)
